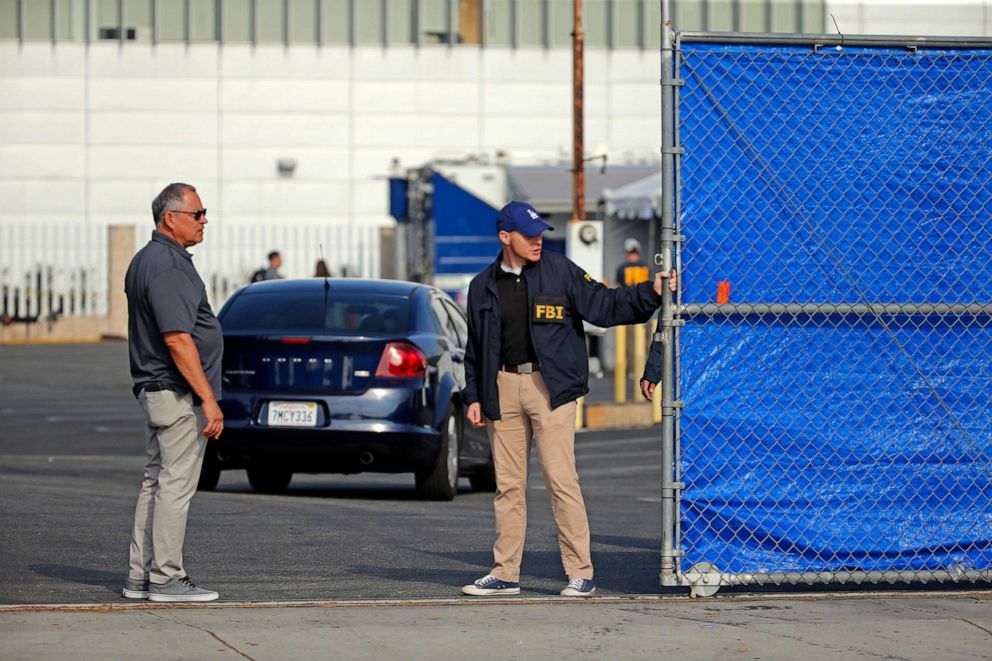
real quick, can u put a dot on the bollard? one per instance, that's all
(620, 370)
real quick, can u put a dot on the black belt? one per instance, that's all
(159, 386)
(522, 368)
(153, 386)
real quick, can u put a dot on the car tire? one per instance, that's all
(441, 482)
(209, 471)
(484, 480)
(265, 479)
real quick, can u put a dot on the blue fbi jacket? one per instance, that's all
(560, 296)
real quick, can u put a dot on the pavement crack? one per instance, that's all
(937, 613)
(797, 638)
(976, 625)
(711, 617)
(204, 630)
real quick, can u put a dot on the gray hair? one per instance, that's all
(170, 196)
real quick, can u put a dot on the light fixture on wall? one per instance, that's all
(286, 167)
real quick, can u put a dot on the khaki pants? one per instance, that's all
(175, 446)
(526, 413)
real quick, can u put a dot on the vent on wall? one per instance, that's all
(130, 34)
(286, 167)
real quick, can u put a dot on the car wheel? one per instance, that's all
(441, 482)
(484, 480)
(269, 480)
(209, 471)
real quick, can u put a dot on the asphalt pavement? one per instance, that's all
(71, 456)
(357, 567)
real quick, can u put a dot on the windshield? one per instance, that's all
(359, 313)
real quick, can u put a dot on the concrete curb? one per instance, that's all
(496, 601)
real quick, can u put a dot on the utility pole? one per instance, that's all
(578, 146)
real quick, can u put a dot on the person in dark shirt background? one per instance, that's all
(634, 271)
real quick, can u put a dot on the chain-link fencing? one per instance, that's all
(833, 376)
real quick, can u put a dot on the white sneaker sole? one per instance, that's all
(479, 592)
(176, 598)
(568, 592)
(134, 594)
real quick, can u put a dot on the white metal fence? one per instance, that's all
(52, 270)
(49, 270)
(230, 254)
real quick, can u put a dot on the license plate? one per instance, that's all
(293, 414)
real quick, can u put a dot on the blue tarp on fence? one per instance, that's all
(836, 176)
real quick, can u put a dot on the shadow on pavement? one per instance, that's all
(378, 492)
(111, 580)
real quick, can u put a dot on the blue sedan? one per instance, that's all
(345, 376)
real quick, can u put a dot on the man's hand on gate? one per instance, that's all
(474, 415)
(659, 279)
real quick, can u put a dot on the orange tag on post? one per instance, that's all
(723, 292)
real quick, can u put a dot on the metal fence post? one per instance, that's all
(666, 319)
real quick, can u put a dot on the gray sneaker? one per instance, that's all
(179, 589)
(135, 589)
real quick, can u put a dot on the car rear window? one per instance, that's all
(307, 312)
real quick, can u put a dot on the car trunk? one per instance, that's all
(325, 364)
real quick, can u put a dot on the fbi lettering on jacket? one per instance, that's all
(550, 309)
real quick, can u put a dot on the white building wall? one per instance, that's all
(964, 18)
(91, 134)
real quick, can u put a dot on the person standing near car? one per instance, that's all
(175, 347)
(525, 366)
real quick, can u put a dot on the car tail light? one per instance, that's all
(402, 360)
(295, 340)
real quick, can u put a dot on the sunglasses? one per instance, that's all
(197, 215)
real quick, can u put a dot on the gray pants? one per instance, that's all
(175, 445)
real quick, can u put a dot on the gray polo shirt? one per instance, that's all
(165, 294)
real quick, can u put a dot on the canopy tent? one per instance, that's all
(638, 200)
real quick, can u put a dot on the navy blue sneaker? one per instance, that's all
(489, 585)
(579, 587)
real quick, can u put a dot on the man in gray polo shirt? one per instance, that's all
(175, 347)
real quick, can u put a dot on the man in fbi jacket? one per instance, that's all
(526, 365)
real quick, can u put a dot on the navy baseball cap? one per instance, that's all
(520, 217)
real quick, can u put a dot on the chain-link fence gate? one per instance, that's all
(832, 338)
